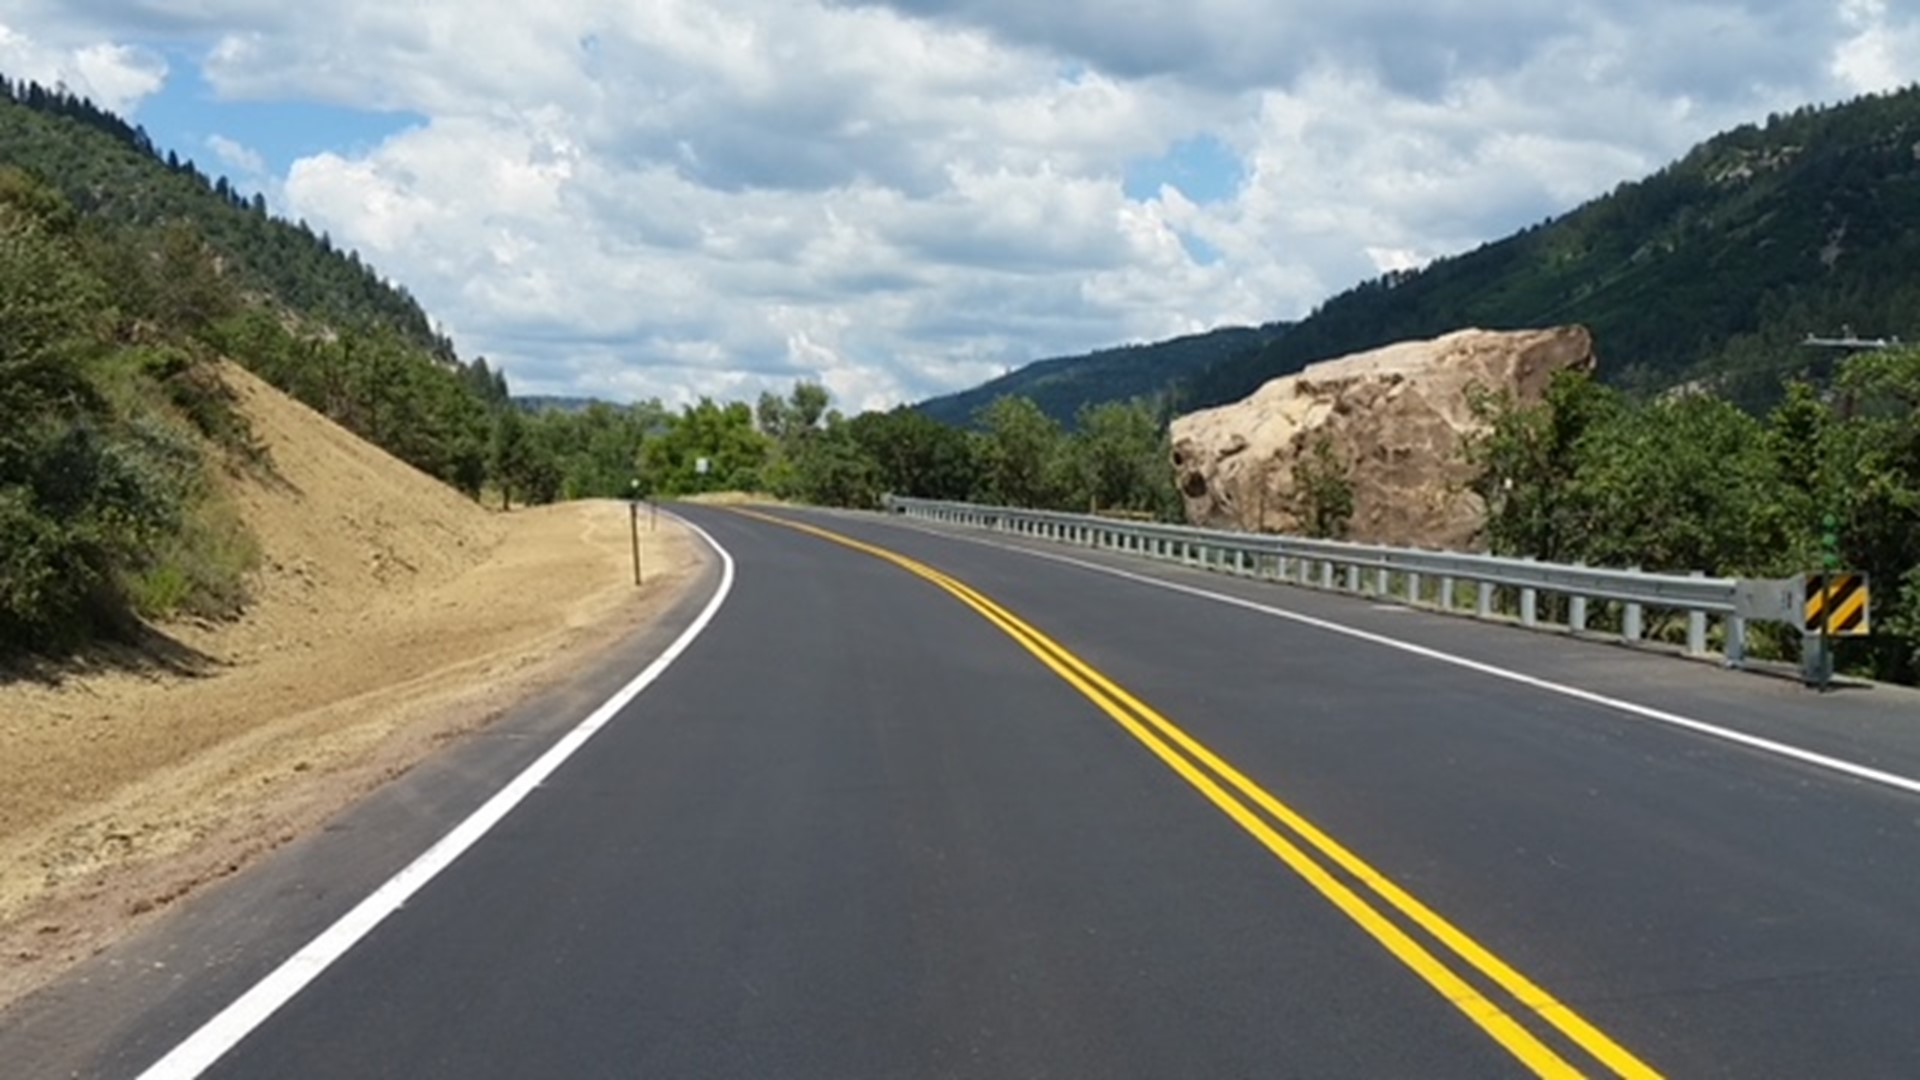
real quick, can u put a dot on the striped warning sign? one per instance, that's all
(1837, 604)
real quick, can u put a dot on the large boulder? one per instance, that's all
(1396, 420)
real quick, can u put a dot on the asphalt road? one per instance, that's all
(874, 825)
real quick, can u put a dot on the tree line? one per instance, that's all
(797, 446)
(1690, 481)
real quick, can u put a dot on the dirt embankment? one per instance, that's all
(390, 614)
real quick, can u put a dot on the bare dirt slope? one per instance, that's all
(390, 614)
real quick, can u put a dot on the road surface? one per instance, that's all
(914, 804)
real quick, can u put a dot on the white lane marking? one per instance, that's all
(1645, 712)
(233, 1023)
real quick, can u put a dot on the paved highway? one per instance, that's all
(911, 804)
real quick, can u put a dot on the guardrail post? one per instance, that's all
(1632, 623)
(1483, 600)
(1529, 607)
(1414, 599)
(1446, 592)
(1326, 574)
(1736, 647)
(1697, 627)
(1577, 613)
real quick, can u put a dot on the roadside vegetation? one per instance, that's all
(798, 447)
(1689, 481)
(112, 428)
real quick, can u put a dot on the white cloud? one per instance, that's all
(676, 197)
(1879, 56)
(236, 155)
(115, 76)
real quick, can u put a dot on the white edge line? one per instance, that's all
(1645, 712)
(222, 1033)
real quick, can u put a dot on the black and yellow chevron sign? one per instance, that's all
(1837, 604)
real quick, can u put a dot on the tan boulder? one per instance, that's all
(1396, 418)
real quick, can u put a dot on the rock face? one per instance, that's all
(1397, 418)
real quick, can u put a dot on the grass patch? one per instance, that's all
(201, 570)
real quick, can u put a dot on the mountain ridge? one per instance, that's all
(1062, 385)
(1716, 267)
(1712, 271)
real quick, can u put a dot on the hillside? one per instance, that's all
(1720, 264)
(388, 614)
(234, 280)
(1063, 385)
(111, 171)
(124, 278)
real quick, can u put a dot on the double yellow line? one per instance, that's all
(1246, 802)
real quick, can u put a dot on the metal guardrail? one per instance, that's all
(1412, 576)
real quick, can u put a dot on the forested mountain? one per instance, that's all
(1063, 385)
(1718, 266)
(111, 170)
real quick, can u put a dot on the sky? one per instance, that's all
(666, 198)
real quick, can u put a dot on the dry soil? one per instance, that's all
(390, 615)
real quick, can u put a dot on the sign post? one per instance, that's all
(633, 530)
(1834, 603)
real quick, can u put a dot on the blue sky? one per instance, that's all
(186, 112)
(1205, 170)
(903, 197)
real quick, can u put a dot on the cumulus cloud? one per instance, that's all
(1878, 55)
(680, 198)
(237, 155)
(115, 76)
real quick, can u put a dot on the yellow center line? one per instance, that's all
(1136, 717)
